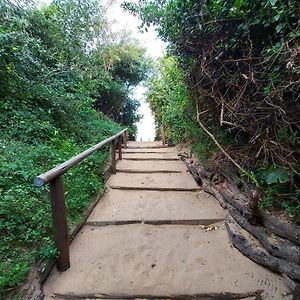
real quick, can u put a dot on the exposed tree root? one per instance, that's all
(258, 254)
(274, 245)
(239, 201)
(280, 240)
(280, 228)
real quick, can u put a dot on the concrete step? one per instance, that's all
(162, 182)
(118, 205)
(153, 260)
(158, 260)
(145, 145)
(150, 150)
(151, 156)
(150, 166)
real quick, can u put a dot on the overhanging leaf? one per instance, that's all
(277, 175)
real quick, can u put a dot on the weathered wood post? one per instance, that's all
(163, 135)
(54, 178)
(125, 139)
(60, 226)
(120, 147)
(113, 157)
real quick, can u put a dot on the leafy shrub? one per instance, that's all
(56, 65)
(240, 60)
(169, 100)
(26, 222)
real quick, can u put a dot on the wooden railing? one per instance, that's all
(57, 194)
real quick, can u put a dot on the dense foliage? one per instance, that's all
(62, 75)
(174, 111)
(241, 62)
(124, 66)
(168, 98)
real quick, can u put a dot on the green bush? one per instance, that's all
(175, 111)
(240, 60)
(169, 100)
(65, 84)
(26, 222)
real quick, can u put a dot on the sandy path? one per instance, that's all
(151, 156)
(154, 205)
(169, 181)
(150, 166)
(148, 150)
(159, 260)
(164, 260)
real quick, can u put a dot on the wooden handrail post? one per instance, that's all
(113, 157)
(163, 136)
(60, 227)
(125, 139)
(120, 147)
(54, 178)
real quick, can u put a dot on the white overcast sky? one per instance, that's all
(121, 20)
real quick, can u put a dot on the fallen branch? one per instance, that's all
(193, 170)
(281, 228)
(285, 243)
(276, 246)
(208, 189)
(238, 201)
(216, 142)
(258, 254)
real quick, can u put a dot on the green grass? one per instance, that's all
(25, 211)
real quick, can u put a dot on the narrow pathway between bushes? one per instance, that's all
(156, 235)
